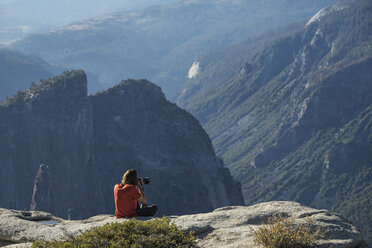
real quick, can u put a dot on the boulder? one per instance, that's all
(233, 226)
(224, 227)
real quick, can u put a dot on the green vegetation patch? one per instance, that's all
(283, 232)
(131, 233)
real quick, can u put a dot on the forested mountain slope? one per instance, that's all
(295, 122)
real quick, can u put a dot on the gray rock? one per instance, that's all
(233, 226)
(42, 190)
(224, 227)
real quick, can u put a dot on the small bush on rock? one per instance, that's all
(283, 233)
(131, 233)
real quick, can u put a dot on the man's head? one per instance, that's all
(130, 177)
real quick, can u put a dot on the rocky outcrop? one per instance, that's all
(88, 142)
(49, 124)
(41, 196)
(143, 130)
(224, 227)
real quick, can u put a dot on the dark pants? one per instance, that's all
(147, 211)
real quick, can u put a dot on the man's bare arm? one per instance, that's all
(142, 199)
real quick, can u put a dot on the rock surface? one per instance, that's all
(42, 190)
(224, 227)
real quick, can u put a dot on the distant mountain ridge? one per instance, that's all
(294, 122)
(161, 43)
(19, 19)
(86, 143)
(17, 71)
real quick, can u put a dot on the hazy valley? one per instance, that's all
(160, 43)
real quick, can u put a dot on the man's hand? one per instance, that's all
(141, 181)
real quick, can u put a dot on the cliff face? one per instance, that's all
(51, 124)
(87, 143)
(136, 127)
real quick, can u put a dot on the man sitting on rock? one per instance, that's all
(129, 194)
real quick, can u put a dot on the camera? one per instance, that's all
(146, 180)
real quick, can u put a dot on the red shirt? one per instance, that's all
(126, 197)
